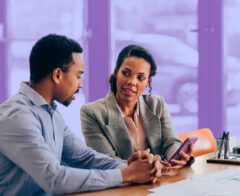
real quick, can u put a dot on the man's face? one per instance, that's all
(71, 81)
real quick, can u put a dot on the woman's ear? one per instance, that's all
(149, 82)
(57, 75)
(115, 73)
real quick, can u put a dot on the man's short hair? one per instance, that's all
(50, 52)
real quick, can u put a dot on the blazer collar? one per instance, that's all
(150, 121)
(145, 112)
(117, 128)
(114, 113)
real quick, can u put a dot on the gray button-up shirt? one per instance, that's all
(39, 154)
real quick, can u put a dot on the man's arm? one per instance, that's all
(22, 142)
(139, 170)
(76, 154)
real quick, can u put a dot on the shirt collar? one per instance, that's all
(35, 97)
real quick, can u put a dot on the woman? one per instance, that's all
(126, 121)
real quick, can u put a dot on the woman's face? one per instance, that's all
(132, 79)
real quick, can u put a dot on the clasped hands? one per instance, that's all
(145, 167)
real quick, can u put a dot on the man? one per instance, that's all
(38, 152)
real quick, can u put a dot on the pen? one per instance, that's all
(221, 145)
(226, 146)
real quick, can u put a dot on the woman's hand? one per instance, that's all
(160, 167)
(185, 158)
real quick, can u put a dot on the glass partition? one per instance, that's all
(168, 30)
(28, 20)
(232, 64)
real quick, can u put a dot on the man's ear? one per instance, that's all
(57, 75)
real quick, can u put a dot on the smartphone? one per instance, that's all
(184, 147)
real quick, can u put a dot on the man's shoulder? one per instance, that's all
(18, 105)
(17, 101)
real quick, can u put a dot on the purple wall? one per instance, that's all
(146, 20)
(210, 69)
(98, 48)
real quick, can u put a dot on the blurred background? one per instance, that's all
(195, 44)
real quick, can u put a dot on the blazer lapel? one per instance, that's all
(151, 124)
(117, 129)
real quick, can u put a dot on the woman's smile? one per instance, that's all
(129, 91)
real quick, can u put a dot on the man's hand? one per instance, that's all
(140, 155)
(155, 164)
(139, 171)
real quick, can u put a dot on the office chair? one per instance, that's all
(205, 144)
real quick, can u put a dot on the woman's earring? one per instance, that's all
(150, 90)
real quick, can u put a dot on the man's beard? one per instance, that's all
(67, 102)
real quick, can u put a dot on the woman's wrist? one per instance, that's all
(190, 161)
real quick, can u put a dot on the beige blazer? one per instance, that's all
(105, 131)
